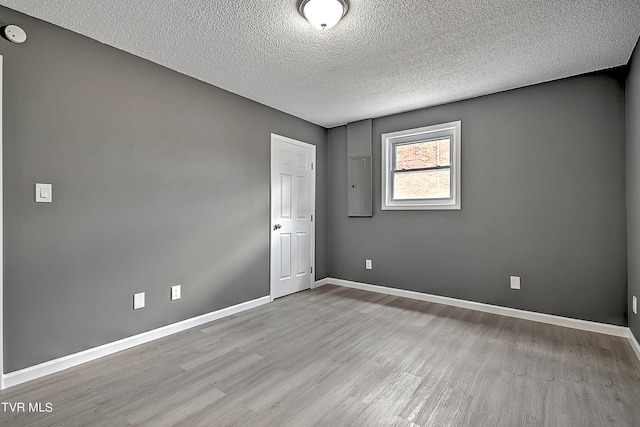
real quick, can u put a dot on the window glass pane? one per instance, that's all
(435, 184)
(423, 154)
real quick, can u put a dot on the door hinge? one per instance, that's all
(311, 166)
(312, 269)
(311, 217)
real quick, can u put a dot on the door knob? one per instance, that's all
(277, 227)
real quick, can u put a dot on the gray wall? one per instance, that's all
(158, 179)
(543, 197)
(633, 186)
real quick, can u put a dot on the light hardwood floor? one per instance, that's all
(343, 357)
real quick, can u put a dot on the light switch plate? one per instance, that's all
(138, 300)
(44, 193)
(515, 282)
(635, 305)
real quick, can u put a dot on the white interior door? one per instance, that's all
(292, 210)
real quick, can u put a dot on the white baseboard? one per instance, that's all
(634, 343)
(27, 374)
(585, 325)
(320, 282)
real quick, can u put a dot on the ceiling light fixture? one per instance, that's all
(323, 14)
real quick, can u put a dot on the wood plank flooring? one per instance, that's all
(343, 357)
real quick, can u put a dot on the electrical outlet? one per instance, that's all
(368, 265)
(515, 282)
(138, 300)
(635, 305)
(176, 292)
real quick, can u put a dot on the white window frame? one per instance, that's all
(389, 142)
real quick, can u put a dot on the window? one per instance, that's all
(421, 168)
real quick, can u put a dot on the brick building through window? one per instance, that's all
(423, 170)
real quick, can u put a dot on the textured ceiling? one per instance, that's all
(384, 57)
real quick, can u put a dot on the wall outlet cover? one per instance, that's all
(515, 282)
(138, 300)
(635, 305)
(176, 292)
(368, 264)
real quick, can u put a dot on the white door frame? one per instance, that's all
(313, 206)
(1, 243)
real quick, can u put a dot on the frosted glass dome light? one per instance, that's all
(323, 14)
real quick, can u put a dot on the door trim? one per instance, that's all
(312, 249)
